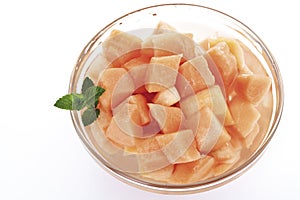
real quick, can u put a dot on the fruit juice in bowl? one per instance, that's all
(175, 98)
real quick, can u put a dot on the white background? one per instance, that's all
(41, 156)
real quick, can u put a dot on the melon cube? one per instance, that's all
(167, 97)
(252, 87)
(192, 171)
(252, 135)
(121, 47)
(245, 116)
(197, 73)
(179, 147)
(160, 175)
(162, 73)
(169, 118)
(136, 62)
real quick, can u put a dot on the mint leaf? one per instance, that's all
(92, 95)
(89, 116)
(70, 102)
(87, 83)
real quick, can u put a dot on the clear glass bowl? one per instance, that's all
(202, 22)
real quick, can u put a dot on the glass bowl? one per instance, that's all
(203, 22)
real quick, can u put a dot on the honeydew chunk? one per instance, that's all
(169, 118)
(118, 86)
(245, 116)
(167, 97)
(162, 73)
(192, 171)
(252, 87)
(120, 47)
(225, 62)
(197, 73)
(179, 147)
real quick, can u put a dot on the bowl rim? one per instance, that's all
(184, 188)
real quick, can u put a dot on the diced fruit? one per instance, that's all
(226, 154)
(225, 62)
(207, 129)
(223, 139)
(142, 109)
(212, 98)
(167, 97)
(197, 73)
(97, 67)
(179, 147)
(147, 145)
(252, 87)
(252, 135)
(162, 73)
(112, 80)
(163, 27)
(104, 118)
(160, 175)
(136, 62)
(115, 134)
(192, 171)
(235, 49)
(121, 47)
(167, 44)
(244, 114)
(169, 118)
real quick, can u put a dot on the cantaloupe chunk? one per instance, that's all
(226, 154)
(104, 118)
(163, 27)
(224, 61)
(121, 47)
(167, 97)
(160, 175)
(136, 62)
(251, 137)
(97, 67)
(115, 134)
(170, 43)
(212, 98)
(235, 49)
(142, 108)
(192, 171)
(162, 73)
(179, 147)
(207, 129)
(197, 73)
(169, 118)
(245, 116)
(118, 86)
(223, 139)
(252, 87)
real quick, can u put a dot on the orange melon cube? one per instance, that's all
(252, 87)
(117, 135)
(136, 62)
(212, 98)
(197, 73)
(162, 73)
(225, 62)
(118, 86)
(192, 171)
(163, 27)
(142, 109)
(179, 147)
(169, 118)
(97, 67)
(121, 47)
(245, 116)
(160, 175)
(251, 137)
(226, 154)
(167, 97)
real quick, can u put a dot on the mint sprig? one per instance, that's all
(88, 99)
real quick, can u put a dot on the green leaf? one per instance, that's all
(92, 95)
(89, 116)
(87, 83)
(70, 102)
